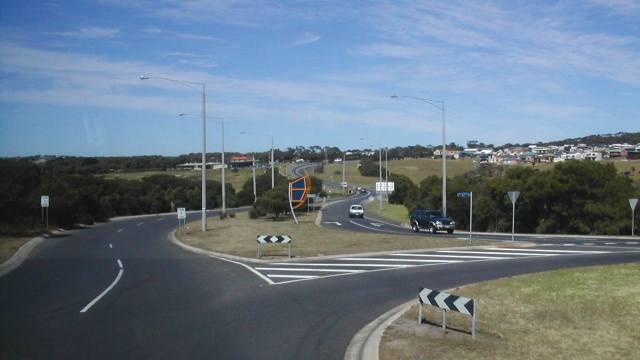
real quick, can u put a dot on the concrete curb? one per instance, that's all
(365, 344)
(20, 256)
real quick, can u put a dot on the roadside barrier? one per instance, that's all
(274, 239)
(447, 302)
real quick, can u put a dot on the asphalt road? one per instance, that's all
(165, 302)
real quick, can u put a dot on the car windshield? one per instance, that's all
(356, 207)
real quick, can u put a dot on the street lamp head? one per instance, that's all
(144, 77)
(183, 114)
(394, 96)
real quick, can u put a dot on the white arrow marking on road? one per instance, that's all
(376, 224)
(440, 300)
(333, 222)
(459, 304)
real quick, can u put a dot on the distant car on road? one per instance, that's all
(356, 211)
(431, 220)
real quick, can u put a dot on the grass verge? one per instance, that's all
(9, 245)
(394, 212)
(237, 236)
(585, 313)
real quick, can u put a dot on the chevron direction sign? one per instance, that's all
(447, 302)
(273, 239)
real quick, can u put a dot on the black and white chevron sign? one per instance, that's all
(446, 301)
(272, 239)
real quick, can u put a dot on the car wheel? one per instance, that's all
(415, 227)
(433, 229)
(450, 231)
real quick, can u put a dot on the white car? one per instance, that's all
(356, 211)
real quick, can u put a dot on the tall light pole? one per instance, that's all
(438, 104)
(224, 197)
(192, 85)
(380, 172)
(253, 166)
(386, 174)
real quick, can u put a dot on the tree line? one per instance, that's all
(574, 197)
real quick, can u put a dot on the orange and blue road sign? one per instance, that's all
(299, 189)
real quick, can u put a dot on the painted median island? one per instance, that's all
(583, 313)
(237, 236)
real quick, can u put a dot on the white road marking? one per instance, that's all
(246, 266)
(631, 243)
(492, 253)
(110, 246)
(609, 243)
(461, 238)
(407, 260)
(333, 222)
(140, 223)
(372, 228)
(569, 244)
(351, 265)
(120, 230)
(306, 269)
(293, 276)
(375, 224)
(94, 301)
(159, 219)
(551, 251)
(453, 256)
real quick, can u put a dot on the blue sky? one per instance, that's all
(312, 73)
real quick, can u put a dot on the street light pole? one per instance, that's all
(380, 166)
(255, 193)
(386, 174)
(224, 197)
(438, 104)
(273, 178)
(192, 85)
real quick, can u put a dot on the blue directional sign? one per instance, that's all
(298, 190)
(464, 194)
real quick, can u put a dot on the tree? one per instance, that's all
(274, 201)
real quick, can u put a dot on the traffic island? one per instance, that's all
(237, 237)
(585, 313)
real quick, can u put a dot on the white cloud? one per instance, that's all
(154, 31)
(91, 33)
(304, 39)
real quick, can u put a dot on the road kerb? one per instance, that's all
(20, 256)
(365, 344)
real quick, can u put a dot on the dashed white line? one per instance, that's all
(140, 223)
(569, 244)
(120, 230)
(491, 253)
(631, 243)
(94, 301)
(609, 243)
(110, 246)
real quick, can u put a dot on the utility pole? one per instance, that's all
(224, 197)
(273, 178)
(253, 165)
(380, 166)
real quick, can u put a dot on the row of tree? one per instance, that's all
(574, 197)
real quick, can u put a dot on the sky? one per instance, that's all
(311, 73)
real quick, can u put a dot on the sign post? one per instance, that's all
(44, 203)
(469, 194)
(513, 196)
(182, 218)
(633, 203)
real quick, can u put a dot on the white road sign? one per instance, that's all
(633, 203)
(385, 186)
(182, 213)
(44, 201)
(513, 196)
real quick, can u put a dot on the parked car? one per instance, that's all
(356, 211)
(431, 220)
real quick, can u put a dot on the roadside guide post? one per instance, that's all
(182, 218)
(469, 194)
(633, 203)
(513, 196)
(44, 203)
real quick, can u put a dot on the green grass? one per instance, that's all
(395, 212)
(415, 169)
(9, 245)
(237, 236)
(585, 313)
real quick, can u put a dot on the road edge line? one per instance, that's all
(20, 255)
(105, 291)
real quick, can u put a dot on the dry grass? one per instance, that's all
(395, 212)
(587, 313)
(9, 245)
(237, 236)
